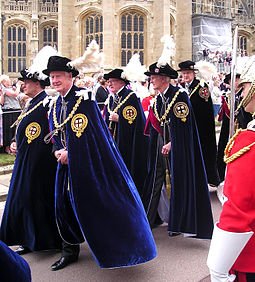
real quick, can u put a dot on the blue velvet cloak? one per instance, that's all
(190, 208)
(29, 216)
(129, 137)
(13, 267)
(96, 198)
(204, 114)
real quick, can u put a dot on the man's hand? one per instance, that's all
(114, 117)
(13, 147)
(166, 149)
(61, 156)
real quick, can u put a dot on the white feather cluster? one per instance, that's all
(206, 70)
(134, 71)
(91, 60)
(41, 60)
(168, 50)
(240, 63)
(246, 69)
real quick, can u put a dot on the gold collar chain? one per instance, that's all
(119, 105)
(56, 124)
(164, 116)
(22, 115)
(227, 157)
(194, 90)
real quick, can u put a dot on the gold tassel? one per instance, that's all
(168, 184)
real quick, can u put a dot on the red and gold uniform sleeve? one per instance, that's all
(238, 213)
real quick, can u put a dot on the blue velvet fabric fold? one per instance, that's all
(129, 137)
(13, 267)
(102, 194)
(29, 214)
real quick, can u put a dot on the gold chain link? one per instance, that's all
(167, 110)
(21, 116)
(56, 124)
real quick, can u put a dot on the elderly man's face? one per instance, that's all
(115, 84)
(159, 82)
(30, 87)
(188, 75)
(61, 81)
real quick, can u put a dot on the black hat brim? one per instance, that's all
(172, 76)
(73, 71)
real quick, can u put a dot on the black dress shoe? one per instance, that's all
(173, 234)
(63, 262)
(22, 250)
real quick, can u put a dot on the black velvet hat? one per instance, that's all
(58, 63)
(187, 65)
(26, 75)
(116, 73)
(165, 70)
(227, 78)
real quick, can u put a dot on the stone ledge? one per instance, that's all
(6, 169)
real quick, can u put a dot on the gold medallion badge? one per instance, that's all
(79, 123)
(181, 111)
(129, 113)
(33, 130)
(204, 93)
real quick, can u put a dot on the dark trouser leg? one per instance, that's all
(158, 183)
(70, 250)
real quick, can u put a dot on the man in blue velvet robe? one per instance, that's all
(29, 214)
(96, 199)
(175, 148)
(202, 105)
(125, 118)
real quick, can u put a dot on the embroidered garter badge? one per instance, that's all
(33, 130)
(181, 111)
(129, 113)
(204, 93)
(79, 123)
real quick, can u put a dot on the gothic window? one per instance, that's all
(250, 6)
(50, 36)
(132, 36)
(242, 45)
(93, 29)
(219, 7)
(16, 48)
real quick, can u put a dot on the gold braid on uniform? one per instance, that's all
(164, 116)
(56, 124)
(227, 157)
(22, 115)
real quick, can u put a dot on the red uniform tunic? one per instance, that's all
(238, 214)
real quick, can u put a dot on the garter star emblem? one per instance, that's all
(33, 130)
(129, 113)
(181, 111)
(79, 123)
(204, 93)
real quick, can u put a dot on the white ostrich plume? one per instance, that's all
(41, 60)
(248, 71)
(241, 63)
(206, 70)
(91, 61)
(168, 50)
(134, 71)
